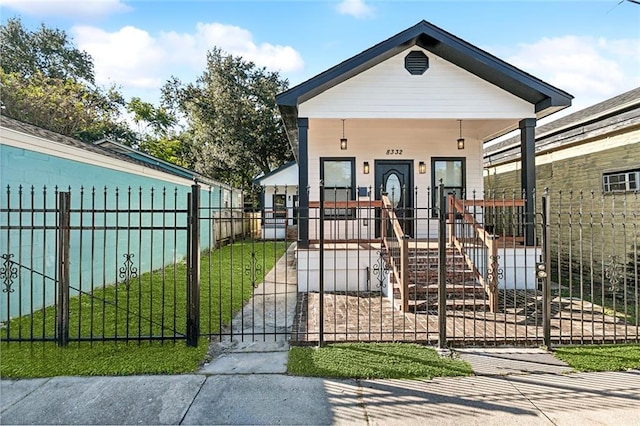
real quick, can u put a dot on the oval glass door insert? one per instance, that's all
(392, 188)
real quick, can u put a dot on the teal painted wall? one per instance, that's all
(97, 256)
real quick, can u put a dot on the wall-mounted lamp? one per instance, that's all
(422, 167)
(460, 139)
(343, 140)
(365, 168)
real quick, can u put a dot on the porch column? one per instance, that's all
(303, 182)
(528, 175)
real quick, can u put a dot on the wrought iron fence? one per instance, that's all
(130, 264)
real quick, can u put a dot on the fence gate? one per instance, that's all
(93, 265)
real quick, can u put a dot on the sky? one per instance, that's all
(588, 48)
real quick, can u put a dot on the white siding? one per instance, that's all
(369, 140)
(387, 90)
(287, 177)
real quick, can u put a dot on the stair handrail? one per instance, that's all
(400, 271)
(489, 240)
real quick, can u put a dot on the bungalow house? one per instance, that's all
(126, 207)
(375, 135)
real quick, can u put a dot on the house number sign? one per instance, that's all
(394, 152)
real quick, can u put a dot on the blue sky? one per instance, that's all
(589, 48)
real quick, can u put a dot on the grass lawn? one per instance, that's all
(600, 358)
(374, 361)
(153, 304)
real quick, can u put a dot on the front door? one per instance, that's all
(395, 178)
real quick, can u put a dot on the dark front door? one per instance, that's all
(395, 178)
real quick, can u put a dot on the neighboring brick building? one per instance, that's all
(590, 163)
(579, 151)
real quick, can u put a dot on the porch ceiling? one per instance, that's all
(478, 129)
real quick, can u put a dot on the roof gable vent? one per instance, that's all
(416, 62)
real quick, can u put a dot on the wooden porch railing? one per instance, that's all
(397, 246)
(351, 204)
(458, 209)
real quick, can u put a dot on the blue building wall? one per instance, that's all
(100, 242)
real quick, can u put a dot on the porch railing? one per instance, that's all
(396, 244)
(480, 236)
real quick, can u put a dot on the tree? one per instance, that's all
(47, 51)
(64, 106)
(234, 128)
(155, 132)
(46, 81)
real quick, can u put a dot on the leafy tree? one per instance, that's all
(46, 81)
(48, 51)
(63, 106)
(155, 132)
(233, 125)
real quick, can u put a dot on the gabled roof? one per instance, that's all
(274, 172)
(621, 110)
(546, 98)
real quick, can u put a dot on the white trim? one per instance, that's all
(17, 139)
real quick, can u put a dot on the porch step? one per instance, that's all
(468, 288)
(462, 289)
(424, 305)
(414, 292)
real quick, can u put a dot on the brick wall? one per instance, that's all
(590, 231)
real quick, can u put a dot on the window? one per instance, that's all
(621, 181)
(338, 175)
(452, 173)
(279, 206)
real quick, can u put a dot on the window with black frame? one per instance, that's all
(451, 171)
(279, 206)
(338, 175)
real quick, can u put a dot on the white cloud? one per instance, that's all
(67, 8)
(128, 57)
(134, 59)
(590, 68)
(356, 8)
(231, 39)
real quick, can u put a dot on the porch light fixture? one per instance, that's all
(460, 139)
(343, 140)
(422, 168)
(365, 168)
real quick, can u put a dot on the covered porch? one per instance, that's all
(475, 247)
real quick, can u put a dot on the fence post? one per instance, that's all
(62, 311)
(321, 272)
(442, 269)
(404, 273)
(193, 266)
(544, 270)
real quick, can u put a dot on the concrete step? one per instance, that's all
(424, 305)
(418, 291)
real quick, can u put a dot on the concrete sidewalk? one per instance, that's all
(246, 383)
(237, 389)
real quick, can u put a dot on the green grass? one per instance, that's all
(601, 357)
(45, 359)
(374, 361)
(152, 304)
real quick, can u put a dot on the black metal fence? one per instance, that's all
(151, 265)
